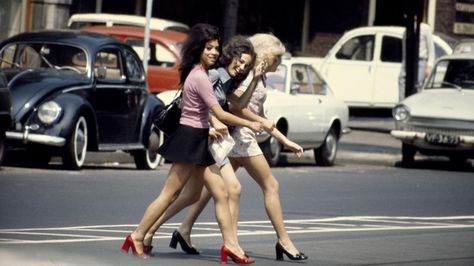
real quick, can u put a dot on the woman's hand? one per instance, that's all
(214, 134)
(260, 69)
(295, 148)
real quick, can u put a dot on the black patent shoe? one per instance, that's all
(280, 250)
(184, 245)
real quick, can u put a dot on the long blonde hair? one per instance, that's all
(266, 45)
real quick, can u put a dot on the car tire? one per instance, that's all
(149, 159)
(325, 155)
(408, 154)
(271, 149)
(76, 146)
(2, 147)
(458, 160)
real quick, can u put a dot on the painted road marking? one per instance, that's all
(210, 229)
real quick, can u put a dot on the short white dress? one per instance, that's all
(246, 144)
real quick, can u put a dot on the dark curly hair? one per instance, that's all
(194, 45)
(237, 46)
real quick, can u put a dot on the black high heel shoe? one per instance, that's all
(184, 246)
(280, 250)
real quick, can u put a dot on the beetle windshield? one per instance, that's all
(452, 74)
(44, 55)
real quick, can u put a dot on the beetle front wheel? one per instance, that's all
(76, 146)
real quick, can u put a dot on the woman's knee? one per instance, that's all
(234, 190)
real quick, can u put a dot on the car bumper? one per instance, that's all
(418, 139)
(27, 137)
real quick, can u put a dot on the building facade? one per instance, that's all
(307, 27)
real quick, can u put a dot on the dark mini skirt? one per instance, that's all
(187, 145)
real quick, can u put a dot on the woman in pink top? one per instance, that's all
(187, 148)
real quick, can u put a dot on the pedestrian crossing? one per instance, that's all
(89, 233)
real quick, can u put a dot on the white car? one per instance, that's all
(439, 120)
(363, 66)
(78, 21)
(305, 110)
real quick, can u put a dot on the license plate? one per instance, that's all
(441, 139)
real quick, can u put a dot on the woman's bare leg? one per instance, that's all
(234, 188)
(260, 171)
(216, 186)
(177, 178)
(189, 195)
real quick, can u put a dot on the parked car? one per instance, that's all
(78, 21)
(305, 110)
(74, 92)
(464, 46)
(363, 66)
(163, 64)
(5, 113)
(439, 120)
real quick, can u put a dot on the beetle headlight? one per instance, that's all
(49, 112)
(401, 112)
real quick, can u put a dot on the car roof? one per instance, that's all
(469, 56)
(132, 20)
(88, 40)
(168, 37)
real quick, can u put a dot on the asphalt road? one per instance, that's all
(363, 211)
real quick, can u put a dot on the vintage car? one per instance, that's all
(439, 120)
(5, 113)
(305, 110)
(74, 92)
(164, 56)
(78, 21)
(369, 59)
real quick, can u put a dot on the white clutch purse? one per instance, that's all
(219, 148)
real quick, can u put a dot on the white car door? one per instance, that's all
(308, 115)
(349, 70)
(387, 63)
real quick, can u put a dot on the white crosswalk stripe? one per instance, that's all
(246, 228)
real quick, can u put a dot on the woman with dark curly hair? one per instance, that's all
(187, 147)
(237, 59)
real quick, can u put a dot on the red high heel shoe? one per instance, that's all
(225, 252)
(128, 243)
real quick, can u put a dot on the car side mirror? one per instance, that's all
(101, 72)
(295, 88)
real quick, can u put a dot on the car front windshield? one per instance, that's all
(452, 74)
(277, 80)
(44, 55)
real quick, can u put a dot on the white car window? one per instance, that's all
(277, 80)
(360, 48)
(391, 49)
(159, 56)
(300, 82)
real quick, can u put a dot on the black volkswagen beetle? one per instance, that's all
(74, 92)
(5, 116)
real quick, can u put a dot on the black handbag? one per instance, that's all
(168, 118)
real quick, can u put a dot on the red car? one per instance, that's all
(163, 73)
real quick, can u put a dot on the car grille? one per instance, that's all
(440, 126)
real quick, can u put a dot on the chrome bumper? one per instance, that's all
(413, 135)
(27, 137)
